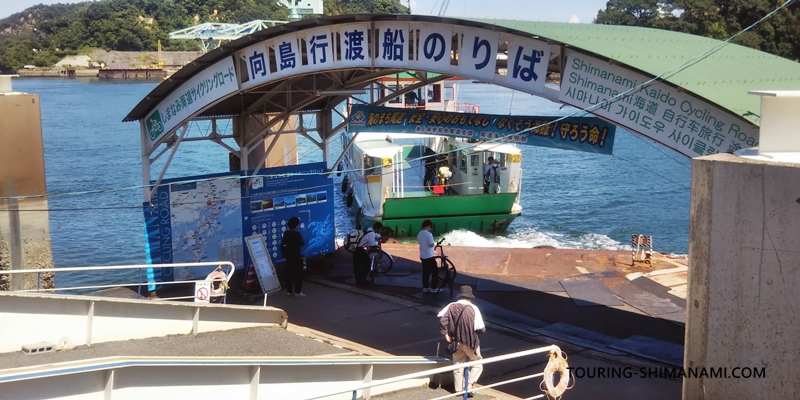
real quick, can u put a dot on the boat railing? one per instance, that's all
(145, 270)
(556, 368)
(449, 106)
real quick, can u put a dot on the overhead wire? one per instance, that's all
(499, 141)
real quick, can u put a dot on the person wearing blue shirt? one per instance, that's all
(492, 176)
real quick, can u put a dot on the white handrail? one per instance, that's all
(140, 267)
(440, 370)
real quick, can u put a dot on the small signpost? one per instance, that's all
(642, 249)
(202, 291)
(265, 270)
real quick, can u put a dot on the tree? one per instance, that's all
(136, 25)
(718, 19)
(629, 12)
(341, 7)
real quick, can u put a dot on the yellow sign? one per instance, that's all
(387, 163)
(515, 158)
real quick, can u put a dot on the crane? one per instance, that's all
(443, 8)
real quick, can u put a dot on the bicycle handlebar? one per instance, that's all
(439, 243)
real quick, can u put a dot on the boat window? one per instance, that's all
(474, 161)
(503, 160)
(368, 164)
(450, 94)
(435, 93)
(462, 162)
(452, 155)
(396, 100)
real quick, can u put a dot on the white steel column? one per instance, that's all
(145, 161)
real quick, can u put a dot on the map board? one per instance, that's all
(292, 191)
(207, 218)
(265, 270)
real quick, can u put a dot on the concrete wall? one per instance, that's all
(33, 318)
(24, 228)
(744, 277)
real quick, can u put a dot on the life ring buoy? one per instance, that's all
(350, 197)
(218, 276)
(557, 363)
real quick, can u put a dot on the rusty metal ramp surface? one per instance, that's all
(590, 293)
(653, 349)
(647, 302)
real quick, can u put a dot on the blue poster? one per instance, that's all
(206, 218)
(158, 239)
(587, 134)
(277, 194)
(202, 219)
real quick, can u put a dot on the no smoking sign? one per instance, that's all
(202, 291)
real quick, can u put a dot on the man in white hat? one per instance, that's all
(461, 321)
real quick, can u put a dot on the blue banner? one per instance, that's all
(268, 202)
(158, 239)
(587, 134)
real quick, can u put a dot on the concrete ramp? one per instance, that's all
(139, 378)
(30, 318)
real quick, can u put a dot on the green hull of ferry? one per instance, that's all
(481, 213)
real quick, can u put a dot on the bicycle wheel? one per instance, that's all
(374, 268)
(446, 270)
(386, 262)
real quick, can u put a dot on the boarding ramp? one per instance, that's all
(65, 321)
(47, 321)
(321, 377)
(287, 378)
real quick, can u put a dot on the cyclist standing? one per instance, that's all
(361, 256)
(426, 256)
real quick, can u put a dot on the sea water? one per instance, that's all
(570, 199)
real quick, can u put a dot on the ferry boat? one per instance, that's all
(402, 179)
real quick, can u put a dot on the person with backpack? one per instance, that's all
(291, 245)
(361, 254)
(460, 322)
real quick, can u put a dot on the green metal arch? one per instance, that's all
(723, 77)
(718, 73)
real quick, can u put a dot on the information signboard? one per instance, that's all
(265, 270)
(207, 218)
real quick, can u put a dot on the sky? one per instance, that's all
(583, 11)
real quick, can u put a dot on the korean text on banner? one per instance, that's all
(675, 119)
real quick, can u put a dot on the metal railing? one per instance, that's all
(466, 366)
(142, 272)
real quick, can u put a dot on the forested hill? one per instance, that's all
(718, 19)
(42, 35)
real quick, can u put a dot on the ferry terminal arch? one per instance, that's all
(703, 109)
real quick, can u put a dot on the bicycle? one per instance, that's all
(379, 264)
(446, 269)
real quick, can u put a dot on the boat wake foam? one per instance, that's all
(530, 238)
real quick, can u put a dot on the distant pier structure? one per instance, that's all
(133, 73)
